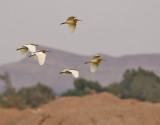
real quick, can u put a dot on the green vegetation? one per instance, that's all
(141, 84)
(36, 95)
(26, 96)
(83, 87)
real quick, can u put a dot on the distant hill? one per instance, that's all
(96, 109)
(28, 72)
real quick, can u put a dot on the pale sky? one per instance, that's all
(113, 27)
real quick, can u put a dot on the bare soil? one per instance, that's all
(96, 109)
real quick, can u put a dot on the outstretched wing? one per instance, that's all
(31, 48)
(75, 73)
(23, 50)
(72, 27)
(65, 71)
(41, 57)
(96, 57)
(94, 67)
(71, 18)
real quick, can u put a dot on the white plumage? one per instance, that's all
(25, 48)
(94, 67)
(72, 27)
(40, 56)
(31, 47)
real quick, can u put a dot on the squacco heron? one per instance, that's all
(74, 72)
(95, 62)
(25, 48)
(40, 55)
(71, 21)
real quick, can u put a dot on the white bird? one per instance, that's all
(95, 62)
(25, 48)
(71, 21)
(40, 55)
(74, 72)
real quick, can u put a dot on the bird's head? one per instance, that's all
(44, 51)
(101, 60)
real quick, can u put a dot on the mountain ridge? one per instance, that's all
(28, 72)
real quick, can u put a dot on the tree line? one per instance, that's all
(138, 84)
(26, 97)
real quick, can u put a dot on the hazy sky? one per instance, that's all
(113, 27)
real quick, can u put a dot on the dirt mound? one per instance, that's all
(97, 109)
(11, 116)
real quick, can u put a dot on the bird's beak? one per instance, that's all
(48, 51)
(79, 20)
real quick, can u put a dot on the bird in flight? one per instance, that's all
(71, 21)
(74, 72)
(25, 48)
(40, 55)
(95, 62)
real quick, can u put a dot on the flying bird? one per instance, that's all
(40, 55)
(95, 62)
(74, 72)
(25, 48)
(71, 21)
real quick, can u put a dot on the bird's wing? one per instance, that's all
(71, 18)
(96, 57)
(94, 67)
(23, 50)
(66, 71)
(72, 27)
(35, 57)
(31, 48)
(41, 57)
(75, 73)
(63, 71)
